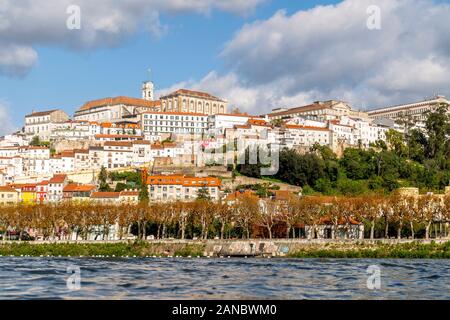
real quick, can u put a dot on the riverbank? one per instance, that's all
(406, 249)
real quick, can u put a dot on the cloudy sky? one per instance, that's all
(258, 54)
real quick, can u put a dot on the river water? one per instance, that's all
(177, 278)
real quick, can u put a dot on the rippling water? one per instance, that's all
(152, 278)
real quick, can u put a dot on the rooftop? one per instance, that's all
(128, 101)
(192, 93)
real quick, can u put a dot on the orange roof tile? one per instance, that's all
(58, 178)
(7, 189)
(119, 101)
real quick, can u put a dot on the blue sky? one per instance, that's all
(195, 44)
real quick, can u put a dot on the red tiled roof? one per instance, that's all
(118, 101)
(7, 189)
(58, 178)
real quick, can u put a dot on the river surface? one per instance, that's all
(177, 278)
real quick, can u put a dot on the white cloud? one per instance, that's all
(25, 24)
(16, 60)
(329, 53)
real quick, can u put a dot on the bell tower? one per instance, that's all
(148, 90)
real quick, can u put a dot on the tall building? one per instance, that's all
(416, 110)
(193, 102)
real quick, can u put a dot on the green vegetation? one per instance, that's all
(36, 142)
(102, 177)
(418, 158)
(413, 250)
(123, 249)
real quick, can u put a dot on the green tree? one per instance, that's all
(438, 129)
(143, 193)
(395, 141)
(203, 194)
(103, 183)
(35, 142)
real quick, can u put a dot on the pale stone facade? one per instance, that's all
(416, 110)
(193, 102)
(41, 124)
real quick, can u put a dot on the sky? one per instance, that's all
(257, 54)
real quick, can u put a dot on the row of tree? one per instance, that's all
(249, 216)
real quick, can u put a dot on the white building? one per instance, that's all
(175, 187)
(43, 123)
(306, 136)
(319, 110)
(156, 124)
(56, 186)
(415, 110)
(118, 154)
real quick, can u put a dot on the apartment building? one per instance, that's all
(156, 125)
(43, 123)
(182, 188)
(56, 186)
(306, 136)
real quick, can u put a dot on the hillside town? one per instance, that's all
(180, 143)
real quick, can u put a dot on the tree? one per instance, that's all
(36, 141)
(102, 177)
(246, 210)
(203, 194)
(438, 129)
(369, 207)
(395, 141)
(143, 193)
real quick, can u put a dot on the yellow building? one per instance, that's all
(9, 196)
(28, 193)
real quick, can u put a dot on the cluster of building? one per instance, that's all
(180, 129)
